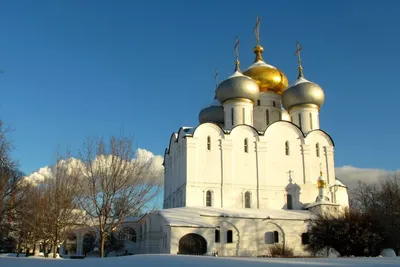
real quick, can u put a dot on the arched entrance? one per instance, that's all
(192, 244)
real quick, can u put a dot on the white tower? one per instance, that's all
(237, 94)
(303, 100)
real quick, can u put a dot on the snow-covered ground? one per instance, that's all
(193, 261)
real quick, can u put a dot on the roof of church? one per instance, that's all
(202, 216)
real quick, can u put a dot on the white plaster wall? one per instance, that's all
(271, 102)
(248, 236)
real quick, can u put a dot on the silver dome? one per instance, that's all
(303, 92)
(237, 86)
(214, 114)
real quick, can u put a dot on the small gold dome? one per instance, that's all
(268, 78)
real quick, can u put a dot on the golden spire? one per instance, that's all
(258, 50)
(237, 68)
(297, 53)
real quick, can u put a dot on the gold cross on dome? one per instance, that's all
(257, 31)
(297, 53)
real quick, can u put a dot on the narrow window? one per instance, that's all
(232, 116)
(276, 237)
(208, 143)
(269, 238)
(208, 198)
(246, 145)
(300, 120)
(229, 236)
(273, 104)
(311, 126)
(317, 149)
(244, 115)
(289, 202)
(267, 116)
(217, 236)
(247, 198)
(305, 239)
(287, 150)
(258, 102)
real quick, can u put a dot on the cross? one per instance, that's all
(216, 77)
(257, 31)
(237, 48)
(290, 175)
(299, 48)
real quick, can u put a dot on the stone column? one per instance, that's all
(226, 173)
(262, 176)
(330, 164)
(307, 179)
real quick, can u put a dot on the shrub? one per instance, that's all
(278, 250)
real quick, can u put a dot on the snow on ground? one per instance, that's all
(198, 261)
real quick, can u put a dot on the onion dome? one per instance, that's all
(237, 86)
(213, 113)
(268, 78)
(303, 92)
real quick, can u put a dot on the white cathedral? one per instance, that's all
(250, 175)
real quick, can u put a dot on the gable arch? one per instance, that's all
(314, 134)
(204, 127)
(284, 126)
(246, 129)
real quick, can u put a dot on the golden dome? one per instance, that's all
(268, 78)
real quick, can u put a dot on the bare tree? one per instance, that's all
(114, 183)
(383, 202)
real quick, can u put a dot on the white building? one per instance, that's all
(246, 177)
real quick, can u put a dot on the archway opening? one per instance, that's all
(192, 244)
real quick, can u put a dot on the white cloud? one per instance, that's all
(350, 175)
(155, 170)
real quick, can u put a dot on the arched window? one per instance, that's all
(311, 126)
(208, 198)
(305, 239)
(127, 234)
(289, 202)
(229, 236)
(300, 120)
(287, 149)
(232, 116)
(258, 102)
(208, 142)
(247, 200)
(317, 149)
(273, 103)
(267, 116)
(246, 145)
(217, 236)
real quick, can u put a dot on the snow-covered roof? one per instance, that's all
(339, 183)
(261, 63)
(321, 202)
(201, 216)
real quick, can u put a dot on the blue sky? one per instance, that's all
(74, 69)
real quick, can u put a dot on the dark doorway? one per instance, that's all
(192, 244)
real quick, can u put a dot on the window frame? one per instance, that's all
(209, 143)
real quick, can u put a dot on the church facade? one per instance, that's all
(250, 175)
